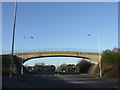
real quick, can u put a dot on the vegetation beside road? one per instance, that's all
(6, 61)
(6, 64)
(111, 63)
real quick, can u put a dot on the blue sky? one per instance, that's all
(61, 25)
(54, 61)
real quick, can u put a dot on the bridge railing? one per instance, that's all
(52, 49)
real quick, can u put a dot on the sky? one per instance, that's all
(54, 61)
(60, 25)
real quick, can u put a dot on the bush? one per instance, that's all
(6, 63)
(83, 66)
(110, 62)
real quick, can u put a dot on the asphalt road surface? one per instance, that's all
(90, 81)
(58, 81)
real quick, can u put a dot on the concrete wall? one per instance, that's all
(94, 69)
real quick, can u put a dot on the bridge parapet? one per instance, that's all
(57, 52)
(51, 50)
(80, 53)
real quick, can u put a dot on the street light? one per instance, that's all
(100, 66)
(13, 38)
(22, 54)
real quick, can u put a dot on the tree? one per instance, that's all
(50, 68)
(63, 67)
(39, 68)
(83, 66)
(70, 67)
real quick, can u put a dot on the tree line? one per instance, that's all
(82, 66)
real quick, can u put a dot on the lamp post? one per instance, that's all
(100, 65)
(13, 37)
(22, 54)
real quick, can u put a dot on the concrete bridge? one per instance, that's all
(30, 54)
(93, 56)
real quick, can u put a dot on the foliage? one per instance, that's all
(39, 68)
(110, 60)
(6, 63)
(83, 66)
(70, 67)
(67, 68)
(49, 68)
(63, 67)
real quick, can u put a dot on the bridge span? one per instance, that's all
(93, 56)
(26, 55)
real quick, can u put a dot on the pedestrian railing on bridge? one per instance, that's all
(51, 50)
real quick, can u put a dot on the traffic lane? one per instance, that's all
(90, 81)
(45, 81)
(51, 81)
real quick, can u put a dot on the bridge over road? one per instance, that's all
(30, 54)
(93, 56)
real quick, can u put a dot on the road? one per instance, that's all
(90, 81)
(58, 81)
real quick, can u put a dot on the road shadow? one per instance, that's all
(44, 80)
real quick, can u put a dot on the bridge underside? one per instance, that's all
(55, 56)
